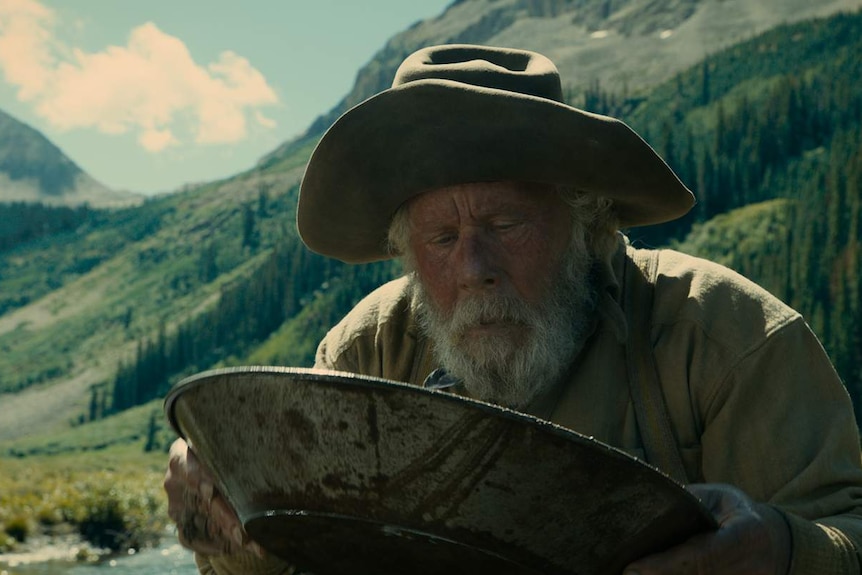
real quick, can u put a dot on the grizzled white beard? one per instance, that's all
(496, 369)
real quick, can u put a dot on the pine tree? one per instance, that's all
(151, 443)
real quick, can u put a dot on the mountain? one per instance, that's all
(108, 314)
(32, 169)
(623, 45)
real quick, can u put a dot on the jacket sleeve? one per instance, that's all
(780, 425)
(756, 402)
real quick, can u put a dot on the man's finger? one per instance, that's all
(226, 521)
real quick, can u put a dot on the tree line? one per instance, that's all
(22, 222)
(247, 312)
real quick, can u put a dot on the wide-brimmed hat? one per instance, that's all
(459, 114)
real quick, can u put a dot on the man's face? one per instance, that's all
(502, 285)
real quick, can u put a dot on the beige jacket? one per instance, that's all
(752, 398)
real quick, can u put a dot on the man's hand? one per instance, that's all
(752, 538)
(205, 521)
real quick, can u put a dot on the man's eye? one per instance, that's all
(504, 226)
(444, 239)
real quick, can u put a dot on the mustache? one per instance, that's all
(489, 309)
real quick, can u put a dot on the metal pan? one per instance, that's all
(340, 473)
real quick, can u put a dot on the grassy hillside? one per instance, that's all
(91, 294)
(132, 285)
(180, 283)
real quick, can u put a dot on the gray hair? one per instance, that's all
(592, 215)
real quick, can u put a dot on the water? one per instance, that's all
(169, 559)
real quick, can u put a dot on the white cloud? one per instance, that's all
(25, 45)
(155, 140)
(151, 87)
(263, 120)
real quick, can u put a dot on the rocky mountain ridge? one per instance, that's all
(624, 45)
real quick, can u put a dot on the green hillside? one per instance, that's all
(107, 315)
(777, 120)
(79, 302)
(177, 285)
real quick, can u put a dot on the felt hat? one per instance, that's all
(459, 114)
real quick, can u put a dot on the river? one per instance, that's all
(169, 559)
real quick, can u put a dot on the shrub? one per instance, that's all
(7, 542)
(19, 528)
(120, 519)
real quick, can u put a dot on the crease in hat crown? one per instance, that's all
(518, 71)
(458, 114)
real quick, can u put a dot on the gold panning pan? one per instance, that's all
(340, 473)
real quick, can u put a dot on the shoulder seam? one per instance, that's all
(721, 382)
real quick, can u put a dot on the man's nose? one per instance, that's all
(477, 266)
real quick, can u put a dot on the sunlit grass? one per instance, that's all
(111, 498)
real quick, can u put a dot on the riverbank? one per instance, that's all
(87, 501)
(70, 553)
(70, 548)
(167, 558)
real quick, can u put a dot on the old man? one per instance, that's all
(505, 205)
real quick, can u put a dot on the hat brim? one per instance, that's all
(430, 134)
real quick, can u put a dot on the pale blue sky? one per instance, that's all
(148, 96)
